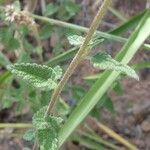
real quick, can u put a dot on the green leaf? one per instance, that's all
(46, 32)
(47, 129)
(29, 135)
(50, 9)
(105, 61)
(76, 40)
(40, 76)
(58, 72)
(8, 40)
(71, 7)
(107, 103)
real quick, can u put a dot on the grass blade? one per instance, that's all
(114, 135)
(132, 22)
(62, 57)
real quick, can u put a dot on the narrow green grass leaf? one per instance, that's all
(104, 61)
(87, 142)
(141, 65)
(130, 23)
(40, 76)
(62, 57)
(4, 76)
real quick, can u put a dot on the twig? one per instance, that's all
(78, 56)
(15, 125)
(114, 135)
(56, 22)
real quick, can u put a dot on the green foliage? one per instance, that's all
(7, 39)
(51, 9)
(40, 76)
(116, 86)
(107, 103)
(47, 128)
(29, 135)
(71, 7)
(46, 32)
(105, 61)
(76, 40)
(4, 60)
(68, 8)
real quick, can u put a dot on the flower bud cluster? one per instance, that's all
(18, 17)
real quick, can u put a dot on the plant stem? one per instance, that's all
(15, 125)
(78, 28)
(84, 29)
(76, 60)
(62, 57)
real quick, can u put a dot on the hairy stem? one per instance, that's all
(76, 60)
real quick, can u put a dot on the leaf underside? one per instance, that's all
(40, 76)
(106, 62)
(76, 40)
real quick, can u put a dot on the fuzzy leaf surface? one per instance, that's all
(29, 135)
(47, 129)
(105, 61)
(40, 76)
(76, 40)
